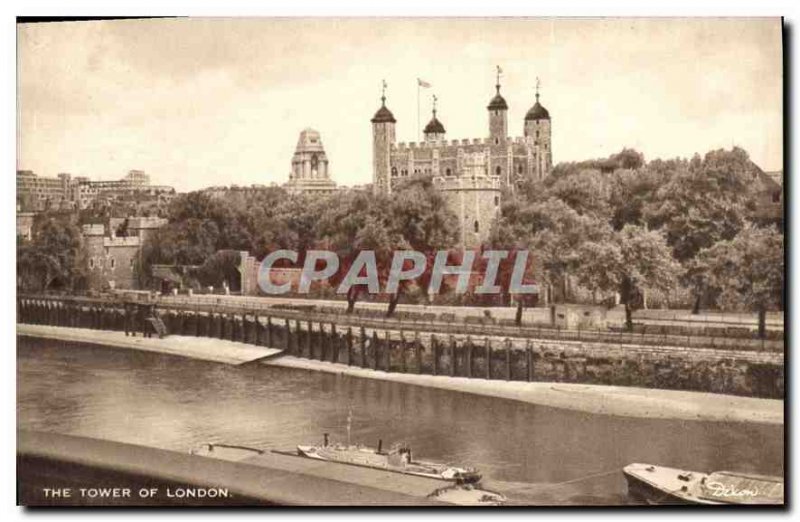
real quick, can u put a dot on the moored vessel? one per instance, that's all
(662, 485)
(397, 459)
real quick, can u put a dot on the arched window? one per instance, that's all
(537, 133)
(496, 141)
(394, 172)
(113, 263)
(91, 262)
(477, 226)
(447, 172)
(498, 170)
(519, 169)
(497, 201)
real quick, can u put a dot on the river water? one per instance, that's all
(174, 403)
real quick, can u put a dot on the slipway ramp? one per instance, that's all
(203, 348)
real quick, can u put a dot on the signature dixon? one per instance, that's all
(721, 490)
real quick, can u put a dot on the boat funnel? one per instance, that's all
(380, 445)
(325, 439)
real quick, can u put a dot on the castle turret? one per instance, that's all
(537, 130)
(498, 115)
(383, 137)
(434, 130)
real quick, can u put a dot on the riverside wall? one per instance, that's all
(729, 371)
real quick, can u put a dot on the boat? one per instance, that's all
(662, 485)
(397, 459)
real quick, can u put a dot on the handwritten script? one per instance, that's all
(721, 490)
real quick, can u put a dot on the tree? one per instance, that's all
(748, 271)
(53, 259)
(220, 268)
(350, 223)
(626, 261)
(419, 214)
(703, 202)
(586, 191)
(552, 230)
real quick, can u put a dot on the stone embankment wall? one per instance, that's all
(748, 373)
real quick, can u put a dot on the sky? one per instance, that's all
(200, 102)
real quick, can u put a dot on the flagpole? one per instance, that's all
(419, 136)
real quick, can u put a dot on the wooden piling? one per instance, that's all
(298, 335)
(488, 345)
(468, 355)
(375, 349)
(435, 349)
(388, 351)
(508, 358)
(269, 332)
(309, 340)
(349, 346)
(363, 347)
(529, 361)
(403, 364)
(418, 352)
(452, 356)
(335, 344)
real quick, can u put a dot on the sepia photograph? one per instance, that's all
(401, 261)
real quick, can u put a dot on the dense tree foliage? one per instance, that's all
(54, 259)
(626, 225)
(747, 272)
(346, 222)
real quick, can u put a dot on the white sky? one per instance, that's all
(198, 102)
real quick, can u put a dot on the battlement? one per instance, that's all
(438, 144)
(467, 183)
(125, 241)
(97, 229)
(136, 223)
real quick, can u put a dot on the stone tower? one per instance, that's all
(537, 130)
(383, 137)
(498, 116)
(310, 172)
(434, 130)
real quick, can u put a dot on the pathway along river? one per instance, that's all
(175, 403)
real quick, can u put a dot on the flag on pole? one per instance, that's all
(423, 83)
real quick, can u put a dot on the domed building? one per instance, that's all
(471, 172)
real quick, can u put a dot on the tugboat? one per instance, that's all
(397, 459)
(661, 485)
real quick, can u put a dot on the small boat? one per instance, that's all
(661, 485)
(397, 459)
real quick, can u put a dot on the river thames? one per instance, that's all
(177, 404)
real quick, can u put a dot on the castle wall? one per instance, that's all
(511, 159)
(111, 261)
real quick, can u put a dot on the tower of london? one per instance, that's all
(470, 172)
